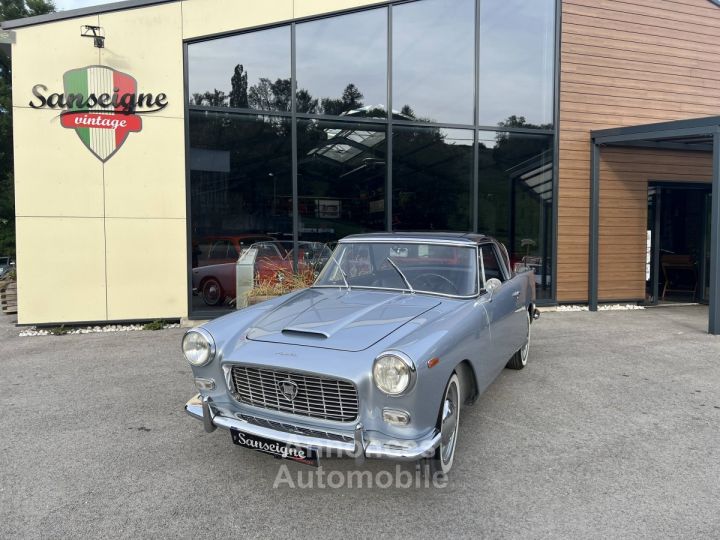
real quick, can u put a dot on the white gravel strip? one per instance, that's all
(32, 331)
(602, 307)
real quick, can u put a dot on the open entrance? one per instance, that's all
(678, 243)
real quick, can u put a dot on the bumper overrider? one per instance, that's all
(360, 447)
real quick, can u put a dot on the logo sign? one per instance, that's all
(289, 389)
(102, 105)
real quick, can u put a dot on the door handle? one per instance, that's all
(516, 294)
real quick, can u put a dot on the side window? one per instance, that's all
(491, 263)
(218, 250)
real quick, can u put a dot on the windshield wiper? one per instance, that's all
(395, 266)
(342, 272)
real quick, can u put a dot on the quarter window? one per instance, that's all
(491, 263)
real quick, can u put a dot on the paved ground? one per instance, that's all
(613, 430)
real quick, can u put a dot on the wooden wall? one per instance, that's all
(624, 175)
(625, 63)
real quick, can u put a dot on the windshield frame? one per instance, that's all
(445, 242)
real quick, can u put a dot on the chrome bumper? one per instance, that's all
(202, 408)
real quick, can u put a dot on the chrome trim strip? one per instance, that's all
(405, 240)
(429, 293)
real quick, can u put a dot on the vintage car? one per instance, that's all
(376, 359)
(216, 283)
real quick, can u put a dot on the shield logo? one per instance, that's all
(103, 124)
(289, 389)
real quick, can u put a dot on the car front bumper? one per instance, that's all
(361, 446)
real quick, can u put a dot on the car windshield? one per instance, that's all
(433, 268)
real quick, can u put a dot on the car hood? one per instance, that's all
(339, 319)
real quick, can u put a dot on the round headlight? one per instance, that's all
(393, 372)
(198, 347)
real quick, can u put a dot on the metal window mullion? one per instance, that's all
(294, 145)
(476, 121)
(389, 127)
(556, 149)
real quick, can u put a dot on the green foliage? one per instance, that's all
(58, 330)
(154, 325)
(9, 10)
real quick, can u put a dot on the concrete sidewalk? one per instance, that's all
(613, 430)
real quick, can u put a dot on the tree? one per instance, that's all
(351, 99)
(239, 88)
(9, 10)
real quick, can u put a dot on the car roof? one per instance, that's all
(414, 236)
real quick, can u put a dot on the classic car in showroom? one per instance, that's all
(376, 359)
(216, 282)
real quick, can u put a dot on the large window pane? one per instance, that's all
(433, 60)
(432, 178)
(517, 39)
(240, 193)
(516, 198)
(341, 179)
(247, 71)
(342, 64)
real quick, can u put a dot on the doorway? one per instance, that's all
(678, 243)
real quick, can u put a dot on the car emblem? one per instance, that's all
(288, 389)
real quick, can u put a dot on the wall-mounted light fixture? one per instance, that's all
(94, 32)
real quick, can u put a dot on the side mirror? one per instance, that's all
(492, 284)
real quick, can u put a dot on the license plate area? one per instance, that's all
(280, 450)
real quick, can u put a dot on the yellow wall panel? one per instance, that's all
(147, 44)
(146, 268)
(42, 53)
(146, 178)
(55, 174)
(204, 17)
(61, 270)
(307, 8)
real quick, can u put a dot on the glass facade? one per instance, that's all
(290, 137)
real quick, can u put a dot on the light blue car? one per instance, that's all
(376, 359)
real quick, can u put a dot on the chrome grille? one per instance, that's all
(317, 397)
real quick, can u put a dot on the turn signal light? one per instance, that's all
(204, 384)
(396, 416)
(433, 362)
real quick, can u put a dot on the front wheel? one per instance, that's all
(449, 422)
(520, 358)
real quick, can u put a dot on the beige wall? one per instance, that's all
(101, 241)
(108, 241)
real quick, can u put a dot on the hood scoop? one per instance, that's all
(304, 332)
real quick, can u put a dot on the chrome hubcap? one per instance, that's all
(526, 348)
(212, 292)
(448, 427)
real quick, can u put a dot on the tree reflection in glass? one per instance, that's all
(432, 178)
(516, 198)
(433, 60)
(342, 64)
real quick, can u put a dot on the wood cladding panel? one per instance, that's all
(625, 63)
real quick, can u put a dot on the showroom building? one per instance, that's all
(203, 126)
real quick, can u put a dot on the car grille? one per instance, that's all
(317, 397)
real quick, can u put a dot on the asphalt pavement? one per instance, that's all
(612, 431)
